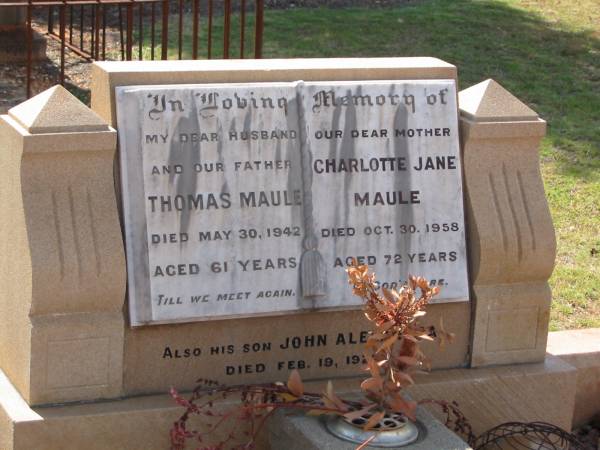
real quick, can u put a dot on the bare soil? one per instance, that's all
(46, 73)
(589, 434)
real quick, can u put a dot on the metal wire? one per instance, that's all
(527, 436)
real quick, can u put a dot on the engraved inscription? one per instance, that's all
(251, 199)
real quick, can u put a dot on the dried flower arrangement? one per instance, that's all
(391, 356)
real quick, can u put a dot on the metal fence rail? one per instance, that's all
(142, 25)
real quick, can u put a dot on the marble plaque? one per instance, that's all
(250, 199)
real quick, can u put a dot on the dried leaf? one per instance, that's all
(383, 307)
(372, 384)
(288, 397)
(328, 403)
(390, 295)
(377, 336)
(372, 366)
(405, 376)
(406, 407)
(359, 412)
(383, 327)
(408, 360)
(426, 337)
(373, 420)
(423, 283)
(385, 345)
(294, 383)
(370, 316)
(334, 399)
(329, 389)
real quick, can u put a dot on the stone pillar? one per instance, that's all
(62, 270)
(511, 239)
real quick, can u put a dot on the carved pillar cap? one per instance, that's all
(490, 102)
(488, 111)
(56, 110)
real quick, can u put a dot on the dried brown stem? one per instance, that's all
(392, 354)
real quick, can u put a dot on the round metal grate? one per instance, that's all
(393, 430)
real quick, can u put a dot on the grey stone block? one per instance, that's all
(300, 432)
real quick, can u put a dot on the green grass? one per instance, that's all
(546, 52)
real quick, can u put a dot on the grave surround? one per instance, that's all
(63, 262)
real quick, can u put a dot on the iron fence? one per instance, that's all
(144, 29)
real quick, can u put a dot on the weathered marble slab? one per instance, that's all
(386, 183)
(250, 199)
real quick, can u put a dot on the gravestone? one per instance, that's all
(251, 200)
(215, 250)
(265, 344)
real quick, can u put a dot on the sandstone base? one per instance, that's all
(488, 397)
(494, 395)
(581, 349)
(140, 423)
